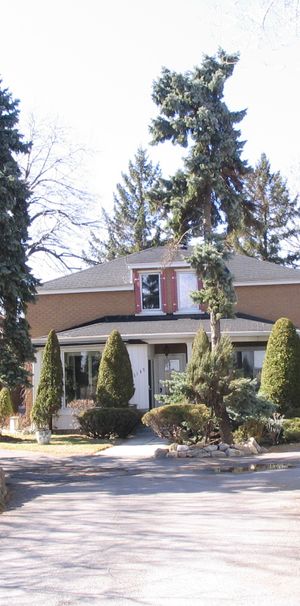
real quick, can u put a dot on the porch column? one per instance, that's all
(189, 345)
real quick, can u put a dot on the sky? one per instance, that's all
(90, 64)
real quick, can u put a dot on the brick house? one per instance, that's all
(146, 297)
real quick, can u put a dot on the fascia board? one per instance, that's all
(143, 266)
(70, 291)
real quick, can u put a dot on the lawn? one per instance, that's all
(70, 444)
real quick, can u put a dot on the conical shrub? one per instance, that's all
(280, 379)
(200, 347)
(50, 388)
(6, 407)
(115, 386)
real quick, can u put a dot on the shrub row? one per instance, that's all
(108, 422)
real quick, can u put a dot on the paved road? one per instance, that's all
(103, 531)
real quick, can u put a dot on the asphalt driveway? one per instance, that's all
(103, 530)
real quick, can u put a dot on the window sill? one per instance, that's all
(151, 312)
(181, 312)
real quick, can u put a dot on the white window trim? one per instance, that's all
(157, 310)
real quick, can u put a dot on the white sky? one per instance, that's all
(91, 63)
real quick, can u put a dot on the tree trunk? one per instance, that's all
(215, 328)
(224, 424)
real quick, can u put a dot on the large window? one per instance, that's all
(81, 372)
(150, 292)
(186, 283)
(250, 361)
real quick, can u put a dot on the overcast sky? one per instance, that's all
(91, 63)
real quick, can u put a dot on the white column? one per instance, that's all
(189, 345)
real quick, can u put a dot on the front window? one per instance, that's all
(81, 372)
(186, 283)
(150, 291)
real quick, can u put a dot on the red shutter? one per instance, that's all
(200, 286)
(163, 286)
(137, 291)
(174, 290)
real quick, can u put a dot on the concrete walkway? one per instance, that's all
(142, 445)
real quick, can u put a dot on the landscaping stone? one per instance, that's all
(223, 446)
(3, 491)
(160, 453)
(182, 448)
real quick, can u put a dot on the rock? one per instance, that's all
(3, 491)
(160, 453)
(233, 452)
(182, 448)
(223, 446)
(218, 453)
(173, 447)
(252, 445)
(211, 448)
(172, 453)
(182, 454)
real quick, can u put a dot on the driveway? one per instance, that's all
(137, 531)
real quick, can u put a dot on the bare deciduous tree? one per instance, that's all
(60, 206)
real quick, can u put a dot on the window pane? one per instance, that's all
(187, 282)
(150, 291)
(81, 372)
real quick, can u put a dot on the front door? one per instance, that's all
(163, 368)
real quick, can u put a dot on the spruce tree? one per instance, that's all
(200, 347)
(208, 190)
(270, 219)
(280, 379)
(133, 225)
(115, 386)
(17, 285)
(50, 388)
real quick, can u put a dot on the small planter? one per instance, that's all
(43, 436)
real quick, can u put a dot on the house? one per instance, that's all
(145, 296)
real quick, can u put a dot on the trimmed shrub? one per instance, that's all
(291, 430)
(280, 379)
(181, 423)
(6, 407)
(200, 347)
(50, 388)
(252, 428)
(115, 386)
(108, 422)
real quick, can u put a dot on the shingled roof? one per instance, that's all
(146, 329)
(116, 274)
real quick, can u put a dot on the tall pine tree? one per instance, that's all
(208, 191)
(17, 285)
(271, 219)
(133, 224)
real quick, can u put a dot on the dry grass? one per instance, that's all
(70, 444)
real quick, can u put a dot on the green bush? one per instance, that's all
(115, 386)
(50, 388)
(244, 403)
(177, 389)
(6, 407)
(181, 423)
(291, 430)
(108, 422)
(252, 428)
(280, 379)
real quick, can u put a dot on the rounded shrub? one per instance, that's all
(180, 423)
(115, 386)
(280, 379)
(108, 422)
(291, 429)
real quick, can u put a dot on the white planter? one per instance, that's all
(43, 436)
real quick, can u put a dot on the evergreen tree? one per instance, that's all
(217, 293)
(133, 225)
(115, 386)
(271, 218)
(50, 388)
(17, 285)
(280, 379)
(200, 347)
(208, 191)
(6, 407)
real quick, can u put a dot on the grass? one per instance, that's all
(67, 444)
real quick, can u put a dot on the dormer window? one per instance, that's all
(150, 292)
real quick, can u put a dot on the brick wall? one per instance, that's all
(270, 302)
